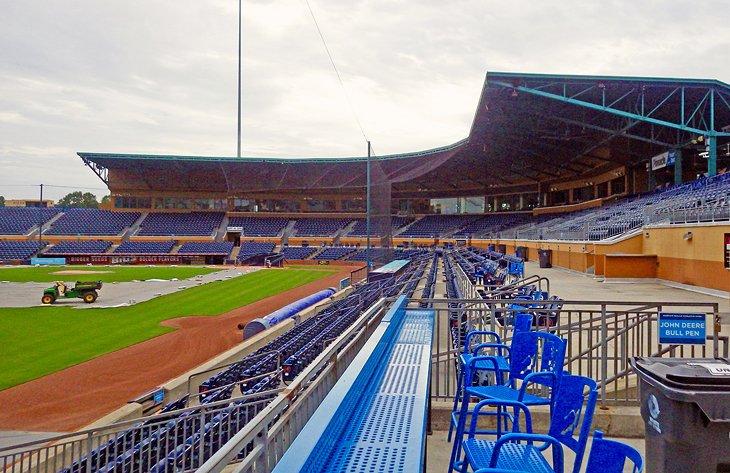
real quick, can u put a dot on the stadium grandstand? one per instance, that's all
(600, 160)
(616, 177)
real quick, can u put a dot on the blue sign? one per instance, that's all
(682, 329)
(48, 261)
(159, 396)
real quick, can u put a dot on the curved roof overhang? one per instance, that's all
(528, 129)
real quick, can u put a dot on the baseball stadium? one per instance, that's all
(560, 277)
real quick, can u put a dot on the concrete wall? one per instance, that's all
(657, 252)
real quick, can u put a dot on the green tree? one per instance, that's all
(106, 199)
(2, 201)
(78, 199)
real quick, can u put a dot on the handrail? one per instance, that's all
(260, 424)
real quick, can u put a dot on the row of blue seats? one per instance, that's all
(21, 220)
(83, 247)
(19, 250)
(81, 221)
(144, 247)
(258, 226)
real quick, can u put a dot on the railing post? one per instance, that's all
(201, 449)
(89, 438)
(604, 355)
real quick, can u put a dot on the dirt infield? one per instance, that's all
(70, 399)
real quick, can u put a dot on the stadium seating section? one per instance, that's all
(259, 226)
(432, 226)
(206, 248)
(92, 222)
(490, 224)
(704, 195)
(321, 227)
(298, 252)
(193, 224)
(21, 220)
(85, 247)
(361, 229)
(18, 250)
(253, 248)
(334, 253)
(144, 247)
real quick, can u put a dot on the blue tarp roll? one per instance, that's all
(259, 325)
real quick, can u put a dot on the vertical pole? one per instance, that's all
(367, 249)
(238, 152)
(712, 139)
(677, 167)
(40, 218)
(604, 355)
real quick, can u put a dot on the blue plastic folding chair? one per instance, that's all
(575, 398)
(522, 323)
(609, 456)
(536, 360)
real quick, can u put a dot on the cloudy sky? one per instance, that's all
(159, 76)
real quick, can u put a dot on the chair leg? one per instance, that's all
(457, 396)
(460, 427)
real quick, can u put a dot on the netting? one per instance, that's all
(381, 228)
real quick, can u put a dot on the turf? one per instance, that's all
(38, 341)
(116, 273)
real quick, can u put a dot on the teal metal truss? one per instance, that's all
(672, 113)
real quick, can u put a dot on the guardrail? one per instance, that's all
(263, 441)
(601, 336)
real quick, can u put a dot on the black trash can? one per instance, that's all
(546, 258)
(685, 403)
(521, 252)
(501, 248)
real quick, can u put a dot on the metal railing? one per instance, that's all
(703, 214)
(263, 441)
(184, 439)
(601, 337)
(141, 444)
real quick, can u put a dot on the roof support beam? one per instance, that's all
(632, 115)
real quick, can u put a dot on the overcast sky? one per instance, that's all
(159, 76)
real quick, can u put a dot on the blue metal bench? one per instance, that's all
(374, 418)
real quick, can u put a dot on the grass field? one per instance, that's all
(115, 274)
(38, 341)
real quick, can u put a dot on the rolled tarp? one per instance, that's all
(259, 325)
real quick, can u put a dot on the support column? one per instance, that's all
(712, 160)
(677, 167)
(650, 184)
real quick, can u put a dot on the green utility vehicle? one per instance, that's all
(83, 290)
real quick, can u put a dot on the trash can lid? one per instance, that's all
(703, 381)
(695, 374)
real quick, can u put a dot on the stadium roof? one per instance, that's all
(528, 128)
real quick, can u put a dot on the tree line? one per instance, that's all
(75, 199)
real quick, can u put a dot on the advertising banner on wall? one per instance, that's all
(663, 160)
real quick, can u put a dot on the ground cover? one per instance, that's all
(37, 341)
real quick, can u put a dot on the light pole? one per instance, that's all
(367, 220)
(238, 152)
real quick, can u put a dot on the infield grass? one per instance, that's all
(37, 341)
(107, 273)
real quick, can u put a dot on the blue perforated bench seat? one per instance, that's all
(374, 419)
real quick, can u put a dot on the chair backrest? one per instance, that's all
(609, 456)
(575, 396)
(523, 323)
(536, 351)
